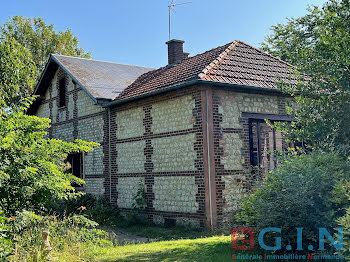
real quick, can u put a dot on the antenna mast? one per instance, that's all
(171, 7)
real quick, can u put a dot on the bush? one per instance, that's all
(344, 222)
(96, 209)
(306, 191)
(5, 242)
(71, 236)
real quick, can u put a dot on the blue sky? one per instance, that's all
(135, 31)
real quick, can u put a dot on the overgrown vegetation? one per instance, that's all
(74, 237)
(307, 191)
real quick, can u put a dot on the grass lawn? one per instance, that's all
(200, 249)
(172, 233)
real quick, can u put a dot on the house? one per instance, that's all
(188, 133)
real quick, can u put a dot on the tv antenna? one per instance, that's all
(171, 7)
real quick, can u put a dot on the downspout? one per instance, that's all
(209, 167)
(109, 154)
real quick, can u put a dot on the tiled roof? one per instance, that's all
(101, 79)
(234, 63)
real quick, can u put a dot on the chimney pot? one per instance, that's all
(175, 51)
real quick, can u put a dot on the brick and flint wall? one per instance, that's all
(80, 118)
(156, 144)
(233, 177)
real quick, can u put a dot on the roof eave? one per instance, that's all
(191, 83)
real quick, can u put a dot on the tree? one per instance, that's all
(318, 44)
(32, 172)
(41, 39)
(17, 72)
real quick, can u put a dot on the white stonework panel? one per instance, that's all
(158, 220)
(54, 111)
(233, 193)
(130, 123)
(263, 104)
(70, 106)
(232, 144)
(230, 111)
(91, 129)
(175, 194)
(233, 104)
(172, 115)
(182, 221)
(70, 86)
(85, 105)
(127, 188)
(131, 158)
(63, 132)
(47, 94)
(44, 110)
(94, 162)
(94, 186)
(188, 222)
(62, 115)
(54, 84)
(175, 153)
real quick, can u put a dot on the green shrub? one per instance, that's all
(5, 242)
(344, 222)
(97, 209)
(306, 191)
(74, 235)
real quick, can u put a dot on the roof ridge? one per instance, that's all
(265, 53)
(218, 60)
(97, 60)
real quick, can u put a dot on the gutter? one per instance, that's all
(109, 154)
(191, 83)
(209, 158)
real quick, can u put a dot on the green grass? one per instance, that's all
(162, 233)
(200, 249)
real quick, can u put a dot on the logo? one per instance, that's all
(243, 238)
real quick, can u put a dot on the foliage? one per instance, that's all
(96, 209)
(140, 198)
(135, 216)
(318, 45)
(31, 165)
(5, 242)
(41, 39)
(344, 222)
(75, 235)
(17, 72)
(305, 192)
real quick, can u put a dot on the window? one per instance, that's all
(265, 144)
(76, 165)
(62, 92)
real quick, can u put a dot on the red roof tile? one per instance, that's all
(233, 63)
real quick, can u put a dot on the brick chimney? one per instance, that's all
(175, 51)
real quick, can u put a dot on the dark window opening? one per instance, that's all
(169, 222)
(266, 144)
(75, 166)
(62, 92)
